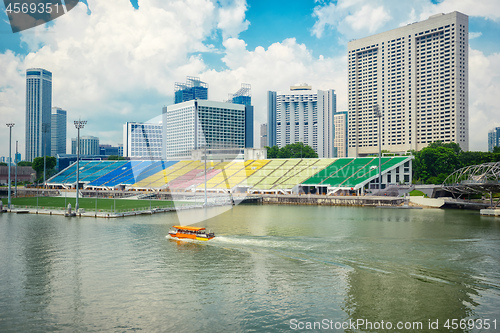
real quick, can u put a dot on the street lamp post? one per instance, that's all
(10, 125)
(206, 200)
(378, 114)
(15, 177)
(45, 129)
(79, 124)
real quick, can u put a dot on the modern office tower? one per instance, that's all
(142, 140)
(108, 150)
(38, 113)
(58, 129)
(493, 138)
(203, 124)
(263, 135)
(340, 138)
(418, 76)
(89, 145)
(271, 118)
(302, 116)
(242, 96)
(191, 90)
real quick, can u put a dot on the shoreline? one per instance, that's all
(273, 199)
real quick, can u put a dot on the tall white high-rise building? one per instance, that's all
(302, 115)
(143, 140)
(200, 124)
(418, 76)
(58, 129)
(38, 113)
(263, 135)
(89, 145)
(340, 139)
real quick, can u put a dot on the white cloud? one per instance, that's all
(359, 18)
(473, 35)
(276, 68)
(484, 89)
(117, 64)
(489, 9)
(368, 18)
(231, 19)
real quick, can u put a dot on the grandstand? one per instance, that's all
(326, 176)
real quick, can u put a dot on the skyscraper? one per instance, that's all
(58, 128)
(242, 96)
(89, 145)
(198, 124)
(493, 138)
(302, 116)
(418, 77)
(263, 135)
(340, 138)
(271, 118)
(38, 113)
(191, 90)
(142, 140)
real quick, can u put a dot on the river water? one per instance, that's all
(271, 269)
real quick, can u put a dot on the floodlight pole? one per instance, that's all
(45, 129)
(378, 114)
(301, 145)
(10, 125)
(15, 178)
(206, 203)
(79, 124)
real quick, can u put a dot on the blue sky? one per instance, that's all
(117, 61)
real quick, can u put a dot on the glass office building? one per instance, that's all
(493, 138)
(191, 90)
(142, 140)
(58, 131)
(89, 145)
(198, 124)
(38, 113)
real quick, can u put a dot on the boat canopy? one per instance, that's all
(188, 228)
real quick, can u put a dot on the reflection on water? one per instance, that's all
(267, 267)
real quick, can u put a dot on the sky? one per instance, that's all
(115, 61)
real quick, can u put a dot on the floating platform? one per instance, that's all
(400, 207)
(490, 212)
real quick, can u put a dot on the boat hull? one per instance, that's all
(180, 235)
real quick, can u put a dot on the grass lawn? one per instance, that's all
(417, 193)
(89, 204)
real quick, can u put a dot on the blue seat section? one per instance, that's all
(121, 175)
(155, 167)
(101, 169)
(68, 175)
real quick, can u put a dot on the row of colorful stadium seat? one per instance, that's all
(255, 174)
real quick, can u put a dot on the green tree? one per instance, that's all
(435, 162)
(297, 150)
(3, 164)
(115, 158)
(50, 163)
(452, 145)
(24, 163)
(496, 150)
(272, 152)
(293, 150)
(475, 157)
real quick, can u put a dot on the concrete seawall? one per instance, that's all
(331, 201)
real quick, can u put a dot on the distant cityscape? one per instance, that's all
(407, 87)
